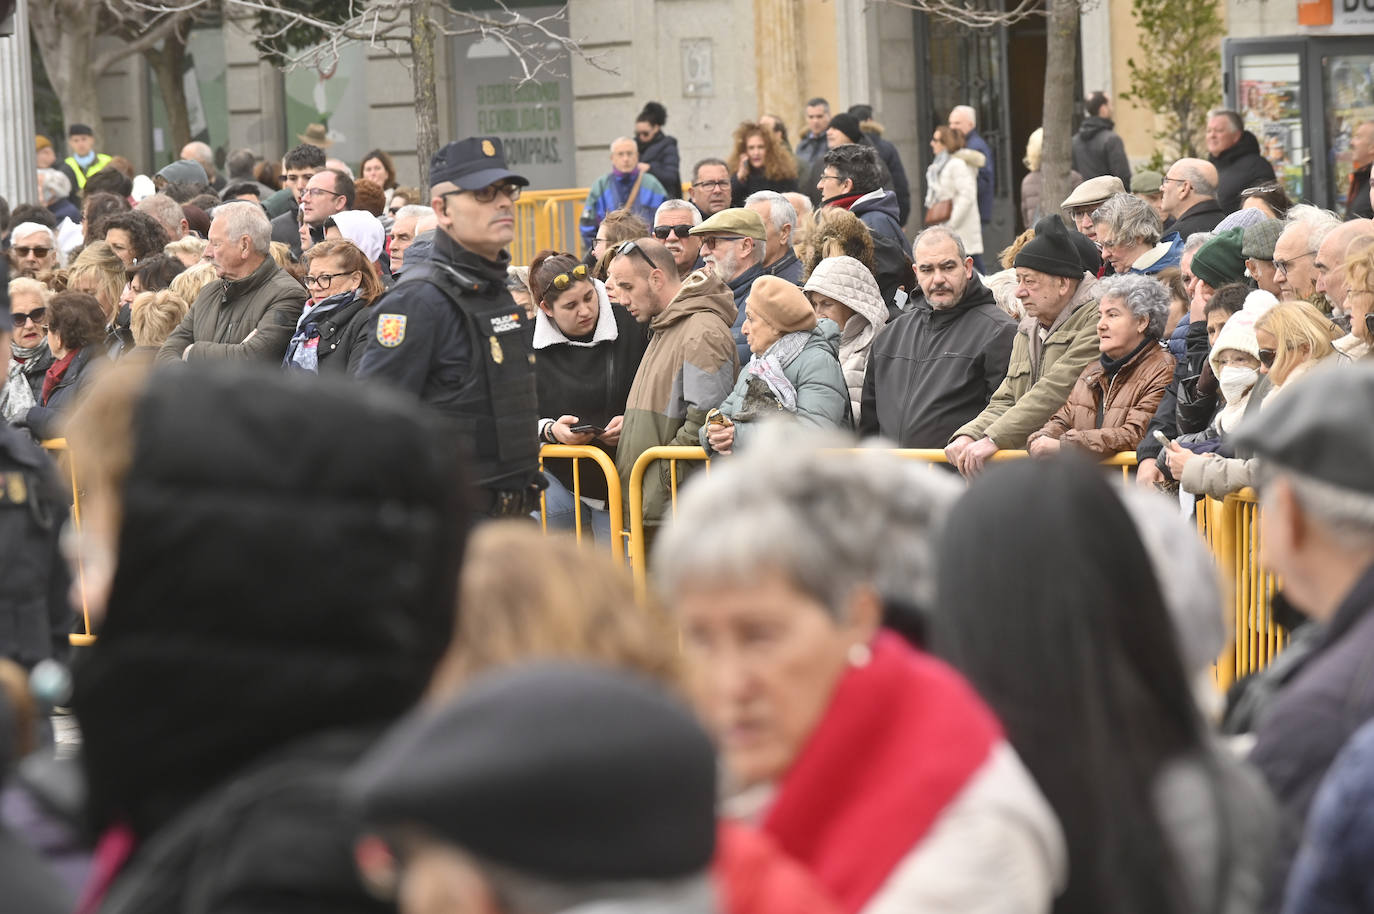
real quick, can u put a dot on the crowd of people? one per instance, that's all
(337, 666)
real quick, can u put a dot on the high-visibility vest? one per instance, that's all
(101, 160)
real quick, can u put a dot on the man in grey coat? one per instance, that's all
(253, 311)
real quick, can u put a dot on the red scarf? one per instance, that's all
(54, 375)
(900, 739)
(844, 202)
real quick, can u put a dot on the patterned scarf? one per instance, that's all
(770, 365)
(303, 350)
(16, 397)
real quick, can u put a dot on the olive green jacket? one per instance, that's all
(1040, 375)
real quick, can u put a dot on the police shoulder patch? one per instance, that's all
(391, 329)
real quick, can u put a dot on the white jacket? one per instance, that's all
(849, 282)
(958, 181)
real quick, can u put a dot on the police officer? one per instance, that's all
(451, 334)
(34, 614)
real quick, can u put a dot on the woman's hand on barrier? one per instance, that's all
(722, 438)
(562, 430)
(1043, 446)
(611, 436)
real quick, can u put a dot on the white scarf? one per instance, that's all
(770, 365)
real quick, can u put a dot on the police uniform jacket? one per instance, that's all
(34, 614)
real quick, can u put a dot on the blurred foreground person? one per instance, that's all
(873, 764)
(233, 680)
(1049, 605)
(542, 789)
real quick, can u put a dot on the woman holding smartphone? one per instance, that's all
(587, 353)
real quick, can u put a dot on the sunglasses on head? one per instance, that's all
(626, 247)
(24, 251)
(563, 280)
(661, 232)
(22, 317)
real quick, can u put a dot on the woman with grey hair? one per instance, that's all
(871, 763)
(1111, 405)
(1128, 230)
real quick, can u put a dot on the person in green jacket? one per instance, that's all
(1054, 343)
(794, 372)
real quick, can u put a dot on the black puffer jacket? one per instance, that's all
(664, 162)
(287, 562)
(1240, 167)
(1098, 150)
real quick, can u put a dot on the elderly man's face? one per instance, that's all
(727, 255)
(1042, 296)
(761, 696)
(1220, 135)
(33, 253)
(1329, 265)
(684, 249)
(402, 236)
(624, 156)
(1083, 220)
(941, 274)
(1264, 275)
(776, 242)
(959, 120)
(1293, 263)
(1171, 192)
(231, 256)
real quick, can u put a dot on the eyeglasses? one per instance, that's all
(24, 251)
(661, 232)
(1105, 243)
(826, 177)
(1267, 356)
(712, 185)
(627, 247)
(1166, 180)
(1283, 266)
(23, 317)
(710, 241)
(321, 280)
(563, 280)
(319, 192)
(488, 193)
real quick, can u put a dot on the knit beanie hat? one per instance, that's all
(781, 304)
(1241, 218)
(1239, 334)
(1051, 251)
(847, 124)
(1260, 239)
(1220, 261)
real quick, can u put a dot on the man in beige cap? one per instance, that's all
(733, 246)
(1087, 197)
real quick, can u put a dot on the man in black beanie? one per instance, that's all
(544, 788)
(1054, 343)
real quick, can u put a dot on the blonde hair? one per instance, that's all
(154, 315)
(189, 244)
(190, 281)
(1008, 256)
(836, 232)
(1359, 265)
(527, 596)
(23, 285)
(99, 262)
(1034, 149)
(280, 253)
(1303, 334)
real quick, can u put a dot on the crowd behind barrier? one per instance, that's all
(547, 220)
(1230, 528)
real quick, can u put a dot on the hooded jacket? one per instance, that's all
(878, 211)
(688, 368)
(822, 399)
(249, 318)
(1105, 415)
(1098, 151)
(933, 370)
(957, 181)
(847, 281)
(1040, 374)
(1239, 167)
(287, 559)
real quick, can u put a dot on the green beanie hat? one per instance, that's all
(1220, 260)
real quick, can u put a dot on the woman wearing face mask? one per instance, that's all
(1235, 363)
(588, 351)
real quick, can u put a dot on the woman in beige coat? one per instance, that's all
(953, 176)
(843, 289)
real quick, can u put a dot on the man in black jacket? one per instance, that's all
(852, 178)
(1235, 153)
(1190, 190)
(1097, 148)
(937, 366)
(892, 160)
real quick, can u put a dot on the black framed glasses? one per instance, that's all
(632, 247)
(661, 232)
(710, 241)
(488, 193)
(1166, 179)
(21, 318)
(563, 280)
(712, 185)
(1283, 266)
(322, 280)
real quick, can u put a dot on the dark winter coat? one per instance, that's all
(45, 420)
(1239, 167)
(985, 174)
(1316, 713)
(664, 163)
(757, 181)
(343, 337)
(1202, 217)
(892, 161)
(931, 371)
(286, 228)
(35, 616)
(891, 251)
(811, 149)
(1357, 205)
(1098, 150)
(739, 288)
(1184, 383)
(788, 267)
(243, 319)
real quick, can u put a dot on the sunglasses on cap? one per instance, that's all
(661, 232)
(37, 251)
(563, 280)
(21, 318)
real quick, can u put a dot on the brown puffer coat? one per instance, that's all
(1127, 402)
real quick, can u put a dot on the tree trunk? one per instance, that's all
(423, 35)
(168, 62)
(1061, 55)
(66, 42)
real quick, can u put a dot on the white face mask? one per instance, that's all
(1235, 381)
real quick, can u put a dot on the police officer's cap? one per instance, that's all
(472, 164)
(1319, 428)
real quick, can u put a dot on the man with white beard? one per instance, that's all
(732, 244)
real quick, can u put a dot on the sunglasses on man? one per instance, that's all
(661, 232)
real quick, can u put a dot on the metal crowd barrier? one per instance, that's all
(614, 503)
(547, 219)
(63, 455)
(1236, 545)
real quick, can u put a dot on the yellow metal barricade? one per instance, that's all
(546, 219)
(1258, 639)
(58, 446)
(614, 504)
